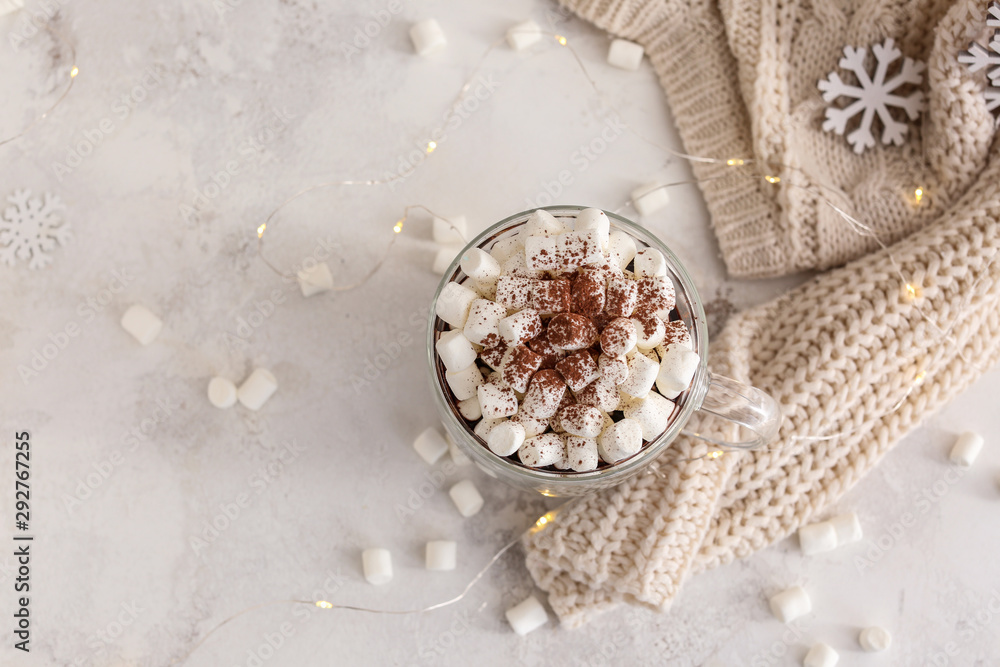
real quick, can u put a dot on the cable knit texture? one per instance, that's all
(855, 361)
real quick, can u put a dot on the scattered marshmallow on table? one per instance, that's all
(523, 35)
(443, 258)
(506, 438)
(594, 220)
(790, 604)
(817, 538)
(625, 54)
(453, 304)
(427, 37)
(820, 655)
(430, 445)
(257, 388)
(464, 383)
(458, 457)
(10, 6)
(377, 565)
(966, 449)
(142, 324)
(677, 369)
(649, 198)
(440, 555)
(527, 616)
(455, 350)
(874, 639)
(466, 497)
(221, 392)
(848, 528)
(450, 231)
(315, 279)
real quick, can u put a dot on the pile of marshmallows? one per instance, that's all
(551, 332)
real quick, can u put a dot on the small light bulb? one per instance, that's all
(431, 145)
(543, 521)
(715, 455)
(561, 40)
(918, 194)
(912, 291)
(73, 72)
(772, 179)
(920, 377)
(260, 230)
(323, 604)
(398, 227)
(735, 162)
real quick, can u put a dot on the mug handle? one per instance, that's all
(744, 405)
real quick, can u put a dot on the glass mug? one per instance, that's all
(746, 406)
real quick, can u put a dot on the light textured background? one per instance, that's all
(124, 536)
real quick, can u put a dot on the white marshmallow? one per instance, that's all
(544, 395)
(647, 340)
(532, 425)
(650, 262)
(377, 565)
(676, 333)
(427, 37)
(613, 369)
(520, 327)
(484, 316)
(790, 604)
(966, 449)
(453, 304)
(594, 220)
(455, 350)
(874, 639)
(542, 450)
(653, 414)
(430, 446)
(541, 253)
(817, 538)
(514, 292)
(480, 265)
(619, 337)
(582, 420)
(642, 373)
(315, 280)
(470, 409)
(602, 394)
(820, 655)
(625, 54)
(465, 382)
(677, 369)
(257, 388)
(440, 555)
(450, 231)
(581, 453)
(484, 427)
(221, 392)
(649, 198)
(621, 248)
(619, 440)
(581, 248)
(517, 266)
(523, 35)
(506, 438)
(443, 258)
(466, 497)
(527, 616)
(543, 223)
(503, 249)
(496, 402)
(847, 527)
(10, 6)
(142, 324)
(458, 457)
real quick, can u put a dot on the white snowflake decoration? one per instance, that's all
(977, 57)
(30, 228)
(873, 95)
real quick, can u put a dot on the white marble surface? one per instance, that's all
(117, 578)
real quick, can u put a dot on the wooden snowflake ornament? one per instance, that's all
(978, 57)
(873, 95)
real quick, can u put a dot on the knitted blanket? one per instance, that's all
(855, 357)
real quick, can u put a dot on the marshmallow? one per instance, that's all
(518, 366)
(649, 198)
(485, 426)
(523, 35)
(817, 538)
(505, 248)
(444, 257)
(589, 293)
(450, 231)
(675, 332)
(966, 449)
(581, 453)
(656, 296)
(563, 252)
(458, 457)
(427, 37)
(653, 414)
(439, 555)
(377, 564)
(543, 223)
(642, 373)
(614, 369)
(549, 297)
(621, 248)
(506, 438)
(455, 350)
(517, 266)
(10, 6)
(550, 353)
(520, 327)
(623, 296)
(541, 253)
(532, 425)
(496, 402)
(480, 266)
(820, 655)
(619, 440)
(542, 450)
(602, 394)
(430, 446)
(466, 497)
(650, 331)
(578, 370)
(790, 604)
(650, 262)
(494, 356)
(847, 527)
(465, 382)
(453, 304)
(544, 394)
(625, 54)
(570, 331)
(677, 368)
(482, 325)
(257, 388)
(874, 639)
(514, 292)
(527, 616)
(583, 420)
(315, 280)
(221, 392)
(142, 324)
(594, 220)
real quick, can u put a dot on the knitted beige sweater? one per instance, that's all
(855, 361)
